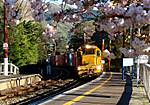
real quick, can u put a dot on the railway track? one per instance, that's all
(25, 94)
(39, 91)
(32, 94)
(51, 94)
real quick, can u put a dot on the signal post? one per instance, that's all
(5, 45)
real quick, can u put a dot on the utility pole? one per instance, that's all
(5, 45)
(109, 60)
(103, 47)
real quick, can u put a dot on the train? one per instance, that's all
(89, 61)
(85, 62)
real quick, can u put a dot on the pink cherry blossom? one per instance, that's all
(146, 2)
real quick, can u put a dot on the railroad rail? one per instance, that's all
(39, 91)
(25, 94)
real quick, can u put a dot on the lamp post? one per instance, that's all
(5, 45)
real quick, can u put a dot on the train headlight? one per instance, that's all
(98, 67)
(87, 46)
(79, 68)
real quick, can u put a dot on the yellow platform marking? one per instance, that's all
(86, 93)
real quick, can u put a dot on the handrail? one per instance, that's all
(146, 78)
(12, 69)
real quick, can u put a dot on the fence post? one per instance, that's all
(11, 68)
(133, 72)
(123, 72)
(15, 70)
(149, 85)
(146, 79)
(138, 68)
(0, 67)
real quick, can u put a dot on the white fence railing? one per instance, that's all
(146, 78)
(12, 69)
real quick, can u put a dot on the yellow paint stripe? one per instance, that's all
(86, 93)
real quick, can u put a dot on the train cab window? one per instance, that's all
(98, 53)
(88, 51)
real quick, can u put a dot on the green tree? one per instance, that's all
(81, 29)
(24, 43)
(62, 32)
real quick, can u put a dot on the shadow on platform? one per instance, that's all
(126, 96)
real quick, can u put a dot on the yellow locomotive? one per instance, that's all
(89, 61)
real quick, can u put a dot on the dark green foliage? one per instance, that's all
(24, 42)
(62, 32)
(77, 39)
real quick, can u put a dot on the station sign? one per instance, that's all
(127, 61)
(5, 46)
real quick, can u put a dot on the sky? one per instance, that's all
(55, 1)
(58, 2)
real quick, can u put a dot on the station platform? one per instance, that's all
(108, 89)
(11, 81)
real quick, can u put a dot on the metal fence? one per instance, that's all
(12, 69)
(145, 69)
